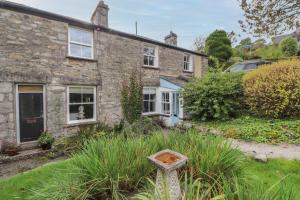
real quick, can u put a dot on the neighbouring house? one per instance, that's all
(57, 73)
(295, 34)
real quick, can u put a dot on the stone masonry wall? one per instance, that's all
(7, 116)
(35, 50)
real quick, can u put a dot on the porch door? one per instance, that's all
(175, 109)
(31, 112)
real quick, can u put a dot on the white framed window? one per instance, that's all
(149, 100)
(81, 104)
(150, 57)
(165, 103)
(81, 43)
(188, 63)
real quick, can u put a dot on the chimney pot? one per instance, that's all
(100, 15)
(171, 39)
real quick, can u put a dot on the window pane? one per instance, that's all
(149, 51)
(151, 61)
(152, 106)
(75, 98)
(87, 37)
(86, 52)
(75, 35)
(146, 97)
(152, 97)
(87, 98)
(75, 50)
(146, 106)
(146, 60)
(81, 112)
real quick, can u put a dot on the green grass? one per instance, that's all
(19, 186)
(275, 170)
(258, 129)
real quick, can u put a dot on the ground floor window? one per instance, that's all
(165, 103)
(149, 95)
(81, 104)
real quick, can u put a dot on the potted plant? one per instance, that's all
(9, 148)
(46, 140)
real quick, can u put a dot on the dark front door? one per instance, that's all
(31, 112)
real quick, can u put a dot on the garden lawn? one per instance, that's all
(275, 170)
(19, 186)
(270, 173)
(258, 129)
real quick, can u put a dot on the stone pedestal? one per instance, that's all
(167, 183)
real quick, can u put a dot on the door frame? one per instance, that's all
(18, 109)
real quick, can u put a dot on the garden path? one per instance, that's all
(286, 151)
(257, 150)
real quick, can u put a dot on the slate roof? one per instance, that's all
(177, 80)
(75, 22)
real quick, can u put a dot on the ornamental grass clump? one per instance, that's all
(274, 90)
(113, 167)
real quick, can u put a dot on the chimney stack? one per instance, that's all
(100, 15)
(171, 39)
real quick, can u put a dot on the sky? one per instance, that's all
(187, 18)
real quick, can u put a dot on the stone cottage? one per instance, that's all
(57, 73)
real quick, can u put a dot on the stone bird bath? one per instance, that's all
(167, 162)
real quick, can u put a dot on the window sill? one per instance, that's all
(83, 59)
(190, 72)
(80, 123)
(150, 67)
(165, 115)
(150, 114)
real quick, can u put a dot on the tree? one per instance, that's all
(270, 17)
(246, 41)
(289, 46)
(233, 36)
(199, 44)
(219, 45)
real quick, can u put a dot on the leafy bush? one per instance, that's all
(274, 90)
(132, 98)
(269, 52)
(259, 130)
(111, 167)
(215, 96)
(144, 126)
(213, 63)
(289, 46)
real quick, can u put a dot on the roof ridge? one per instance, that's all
(84, 24)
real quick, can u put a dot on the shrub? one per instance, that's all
(144, 126)
(289, 46)
(112, 167)
(132, 98)
(215, 96)
(274, 90)
(213, 63)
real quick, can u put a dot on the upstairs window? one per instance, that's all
(187, 63)
(165, 103)
(80, 43)
(150, 57)
(149, 100)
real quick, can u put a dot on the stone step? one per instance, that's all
(29, 146)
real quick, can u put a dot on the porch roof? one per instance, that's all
(175, 82)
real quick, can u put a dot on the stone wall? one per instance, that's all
(7, 116)
(35, 50)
